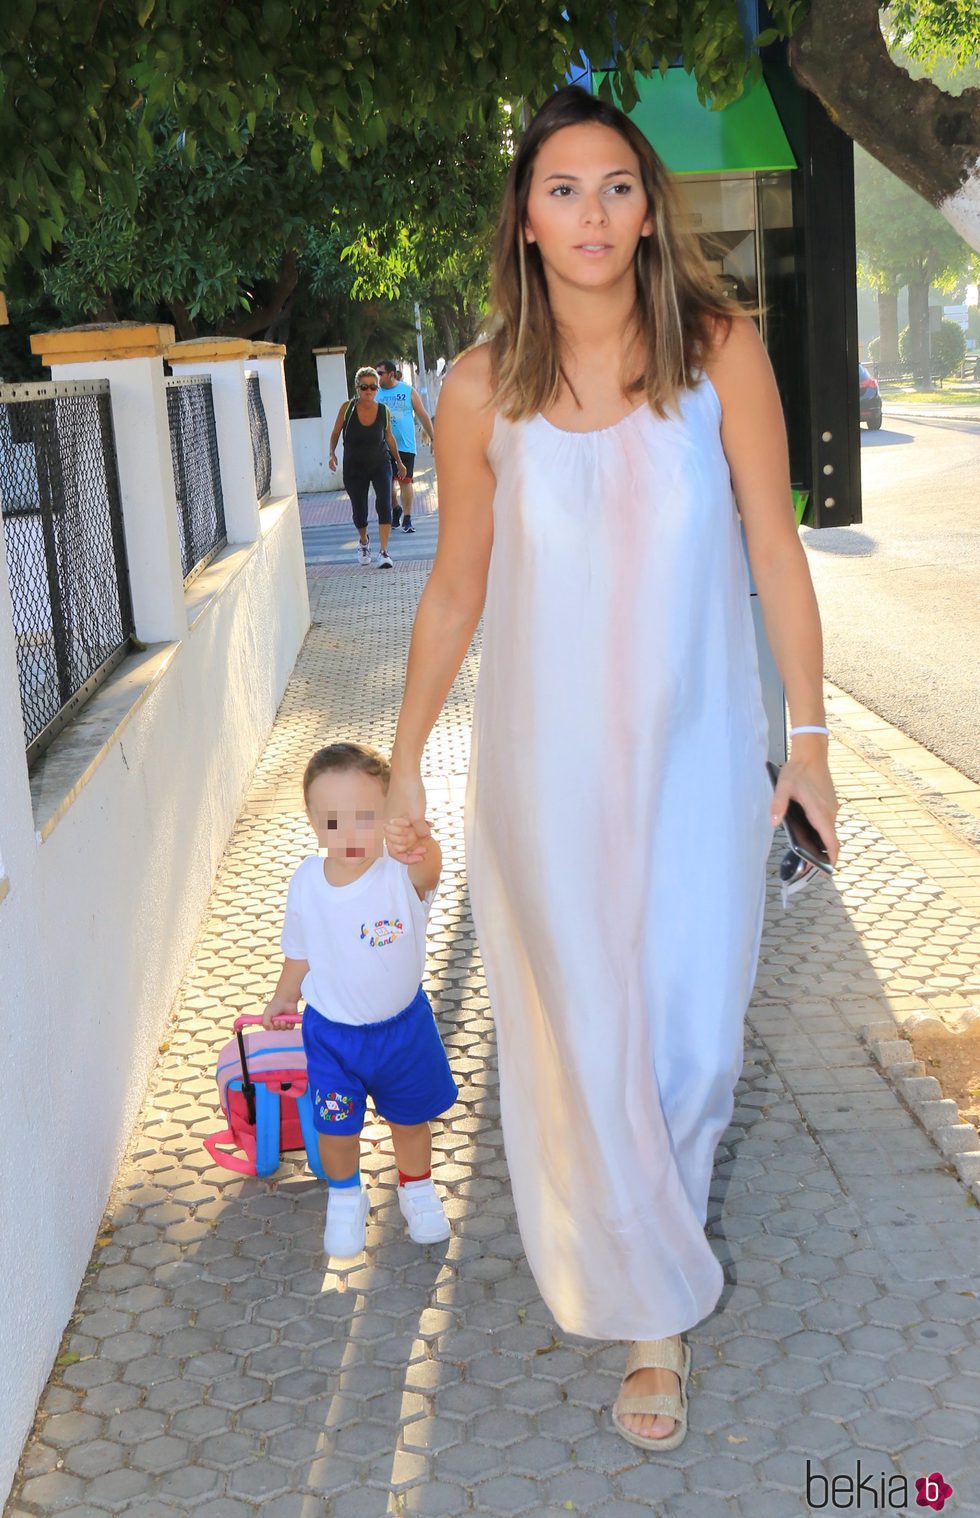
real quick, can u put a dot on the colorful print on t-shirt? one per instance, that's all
(382, 932)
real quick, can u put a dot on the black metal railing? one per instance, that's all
(197, 472)
(65, 547)
(261, 450)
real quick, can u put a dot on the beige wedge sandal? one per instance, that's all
(656, 1354)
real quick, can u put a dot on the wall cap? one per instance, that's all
(96, 341)
(208, 350)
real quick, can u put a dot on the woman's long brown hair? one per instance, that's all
(679, 299)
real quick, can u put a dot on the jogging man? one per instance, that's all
(404, 404)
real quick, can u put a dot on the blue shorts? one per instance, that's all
(400, 1063)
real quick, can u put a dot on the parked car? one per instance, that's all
(870, 398)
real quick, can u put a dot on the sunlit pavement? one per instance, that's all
(217, 1364)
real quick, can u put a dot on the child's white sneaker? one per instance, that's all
(347, 1210)
(423, 1211)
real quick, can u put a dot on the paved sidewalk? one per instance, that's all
(214, 1366)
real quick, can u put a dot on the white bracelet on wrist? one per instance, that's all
(795, 730)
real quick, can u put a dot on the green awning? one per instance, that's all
(693, 139)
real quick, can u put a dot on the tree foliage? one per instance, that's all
(85, 89)
(901, 239)
(937, 30)
(222, 233)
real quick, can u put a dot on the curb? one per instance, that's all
(941, 413)
(957, 1142)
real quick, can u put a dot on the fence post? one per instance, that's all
(16, 828)
(222, 361)
(129, 355)
(267, 361)
(331, 377)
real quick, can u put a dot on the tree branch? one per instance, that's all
(183, 321)
(258, 321)
(929, 139)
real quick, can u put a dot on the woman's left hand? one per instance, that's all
(806, 779)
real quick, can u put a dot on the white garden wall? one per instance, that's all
(311, 434)
(101, 896)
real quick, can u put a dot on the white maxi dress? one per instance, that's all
(617, 831)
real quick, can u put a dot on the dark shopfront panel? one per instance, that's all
(769, 183)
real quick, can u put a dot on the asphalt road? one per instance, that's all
(900, 594)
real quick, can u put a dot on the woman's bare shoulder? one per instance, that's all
(735, 348)
(469, 383)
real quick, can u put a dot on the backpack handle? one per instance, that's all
(256, 1017)
(243, 1164)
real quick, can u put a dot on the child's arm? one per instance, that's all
(422, 855)
(286, 995)
(424, 875)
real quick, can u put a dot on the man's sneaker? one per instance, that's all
(347, 1211)
(423, 1211)
(407, 527)
(364, 553)
(396, 515)
(384, 560)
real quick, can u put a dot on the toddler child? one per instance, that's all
(354, 946)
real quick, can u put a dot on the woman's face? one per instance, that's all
(587, 208)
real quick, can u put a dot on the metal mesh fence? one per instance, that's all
(261, 450)
(64, 545)
(197, 473)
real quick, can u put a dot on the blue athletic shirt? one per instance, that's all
(399, 402)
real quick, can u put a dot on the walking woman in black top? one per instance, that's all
(369, 447)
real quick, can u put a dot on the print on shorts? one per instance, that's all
(333, 1107)
(382, 932)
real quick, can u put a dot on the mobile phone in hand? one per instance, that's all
(802, 835)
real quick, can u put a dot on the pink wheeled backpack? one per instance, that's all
(264, 1093)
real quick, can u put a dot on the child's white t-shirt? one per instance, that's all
(364, 942)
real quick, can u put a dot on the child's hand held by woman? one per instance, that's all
(405, 843)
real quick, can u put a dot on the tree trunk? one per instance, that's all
(447, 333)
(183, 321)
(919, 332)
(258, 321)
(931, 140)
(888, 327)
(105, 312)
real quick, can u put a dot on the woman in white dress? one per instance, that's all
(618, 814)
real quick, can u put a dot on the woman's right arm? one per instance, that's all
(452, 601)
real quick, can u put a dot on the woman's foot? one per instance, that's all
(651, 1409)
(648, 1383)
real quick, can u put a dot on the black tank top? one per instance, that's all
(364, 446)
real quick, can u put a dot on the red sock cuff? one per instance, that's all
(404, 1179)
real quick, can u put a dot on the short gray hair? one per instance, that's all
(366, 370)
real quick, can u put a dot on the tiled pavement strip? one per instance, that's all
(215, 1366)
